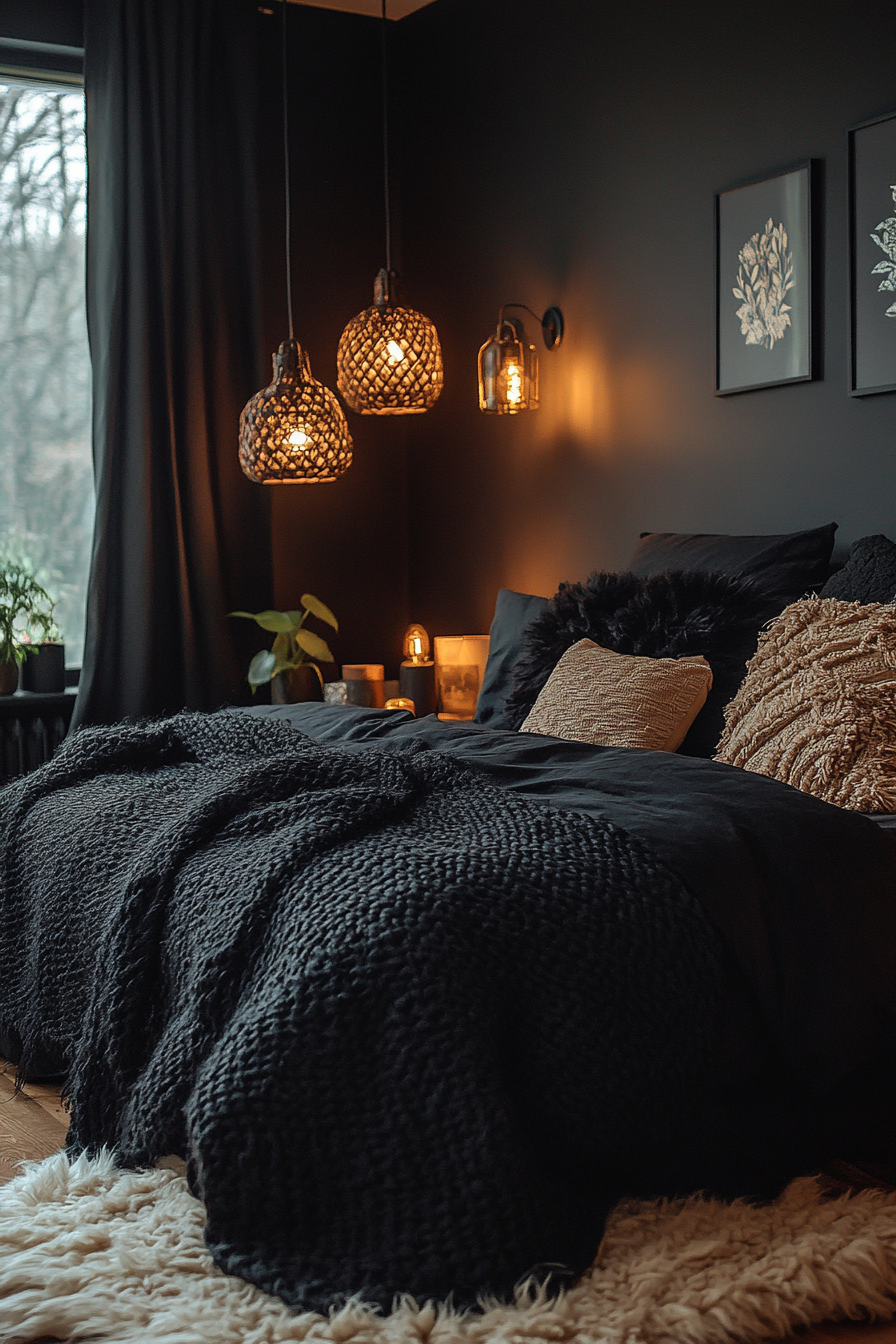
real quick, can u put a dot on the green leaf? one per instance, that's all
(268, 620)
(297, 618)
(282, 648)
(318, 609)
(261, 668)
(314, 646)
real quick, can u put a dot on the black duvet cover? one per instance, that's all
(418, 1002)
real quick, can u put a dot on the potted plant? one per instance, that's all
(291, 664)
(23, 602)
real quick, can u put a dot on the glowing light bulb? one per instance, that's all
(514, 384)
(396, 354)
(415, 645)
(298, 438)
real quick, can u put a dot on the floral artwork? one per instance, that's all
(764, 258)
(885, 237)
(764, 277)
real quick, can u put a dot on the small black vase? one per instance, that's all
(44, 671)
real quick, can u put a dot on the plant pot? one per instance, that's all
(9, 678)
(298, 684)
(44, 671)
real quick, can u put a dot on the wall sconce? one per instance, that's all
(508, 364)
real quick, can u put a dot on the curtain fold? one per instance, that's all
(181, 536)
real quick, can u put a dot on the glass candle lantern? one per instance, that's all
(460, 664)
(364, 684)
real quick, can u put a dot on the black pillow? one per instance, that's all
(869, 574)
(514, 612)
(666, 615)
(783, 566)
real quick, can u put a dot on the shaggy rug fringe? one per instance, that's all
(90, 1251)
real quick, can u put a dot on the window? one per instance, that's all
(46, 473)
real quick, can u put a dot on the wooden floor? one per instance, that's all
(33, 1125)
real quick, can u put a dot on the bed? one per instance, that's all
(418, 1003)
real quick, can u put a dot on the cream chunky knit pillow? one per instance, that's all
(817, 708)
(618, 700)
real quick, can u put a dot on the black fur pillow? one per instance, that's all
(661, 616)
(869, 574)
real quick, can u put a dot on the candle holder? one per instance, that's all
(417, 674)
(460, 664)
(364, 684)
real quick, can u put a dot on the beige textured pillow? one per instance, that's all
(615, 700)
(818, 706)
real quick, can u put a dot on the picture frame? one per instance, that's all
(765, 282)
(871, 159)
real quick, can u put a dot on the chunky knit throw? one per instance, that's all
(411, 1032)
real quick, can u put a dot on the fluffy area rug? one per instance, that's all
(88, 1251)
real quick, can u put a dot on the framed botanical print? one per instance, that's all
(872, 257)
(764, 282)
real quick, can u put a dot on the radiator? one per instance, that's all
(32, 726)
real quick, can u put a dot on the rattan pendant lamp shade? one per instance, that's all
(293, 432)
(389, 360)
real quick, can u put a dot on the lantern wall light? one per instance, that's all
(508, 363)
(293, 432)
(389, 360)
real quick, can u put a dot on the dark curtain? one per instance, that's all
(182, 537)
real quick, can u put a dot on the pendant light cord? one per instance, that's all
(384, 30)
(286, 182)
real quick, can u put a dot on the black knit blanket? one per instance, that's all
(411, 1032)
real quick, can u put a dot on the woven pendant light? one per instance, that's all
(293, 432)
(389, 360)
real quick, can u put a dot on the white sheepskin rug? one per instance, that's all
(91, 1252)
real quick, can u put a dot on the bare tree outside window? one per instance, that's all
(46, 474)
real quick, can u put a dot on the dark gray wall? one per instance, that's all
(568, 153)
